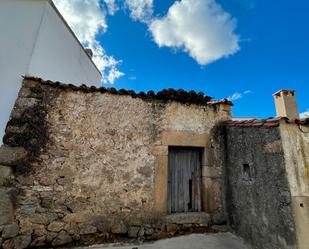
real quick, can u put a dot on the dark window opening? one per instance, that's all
(247, 172)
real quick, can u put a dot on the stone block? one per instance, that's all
(39, 241)
(68, 146)
(160, 182)
(39, 219)
(47, 180)
(184, 138)
(77, 205)
(26, 227)
(22, 242)
(42, 188)
(51, 236)
(141, 232)
(65, 172)
(71, 228)
(51, 217)
(28, 83)
(119, 228)
(25, 181)
(63, 181)
(16, 129)
(79, 217)
(11, 156)
(8, 244)
(10, 231)
(88, 229)
(102, 224)
(28, 209)
(213, 193)
(39, 230)
(188, 218)
(62, 238)
(23, 103)
(28, 198)
(25, 92)
(211, 172)
(149, 231)
(133, 231)
(46, 200)
(6, 207)
(171, 228)
(55, 226)
(5, 174)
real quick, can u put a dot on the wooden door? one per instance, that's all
(184, 180)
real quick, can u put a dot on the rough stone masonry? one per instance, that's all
(83, 165)
(268, 181)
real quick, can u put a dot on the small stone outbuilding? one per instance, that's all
(85, 165)
(91, 164)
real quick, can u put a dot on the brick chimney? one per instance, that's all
(286, 106)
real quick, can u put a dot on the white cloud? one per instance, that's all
(132, 78)
(238, 95)
(235, 96)
(248, 92)
(111, 6)
(107, 63)
(200, 27)
(304, 114)
(87, 19)
(140, 10)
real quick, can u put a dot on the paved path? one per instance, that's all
(193, 241)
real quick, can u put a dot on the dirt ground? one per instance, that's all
(193, 241)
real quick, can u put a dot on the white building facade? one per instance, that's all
(36, 41)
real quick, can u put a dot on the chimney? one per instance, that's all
(89, 52)
(286, 106)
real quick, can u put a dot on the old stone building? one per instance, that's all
(85, 165)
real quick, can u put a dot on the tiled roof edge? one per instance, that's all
(268, 123)
(164, 95)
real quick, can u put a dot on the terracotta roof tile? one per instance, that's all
(267, 123)
(180, 95)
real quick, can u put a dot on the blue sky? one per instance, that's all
(274, 51)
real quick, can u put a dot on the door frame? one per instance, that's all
(179, 139)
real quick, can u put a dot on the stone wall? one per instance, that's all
(295, 140)
(84, 166)
(258, 192)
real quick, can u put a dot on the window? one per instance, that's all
(247, 172)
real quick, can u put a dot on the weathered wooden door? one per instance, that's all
(184, 180)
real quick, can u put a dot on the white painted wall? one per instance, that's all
(35, 41)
